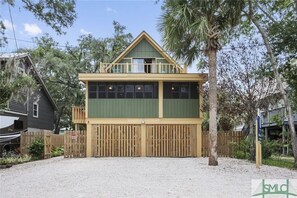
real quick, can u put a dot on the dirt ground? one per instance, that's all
(134, 177)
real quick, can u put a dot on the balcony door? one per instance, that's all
(144, 65)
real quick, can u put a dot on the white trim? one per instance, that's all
(24, 114)
(35, 103)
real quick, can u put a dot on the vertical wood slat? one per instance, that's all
(171, 140)
(74, 144)
(117, 140)
(225, 149)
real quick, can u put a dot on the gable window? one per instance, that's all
(35, 110)
(182, 90)
(144, 65)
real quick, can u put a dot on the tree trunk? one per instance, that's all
(58, 121)
(213, 156)
(278, 80)
(252, 141)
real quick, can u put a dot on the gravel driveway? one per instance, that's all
(134, 177)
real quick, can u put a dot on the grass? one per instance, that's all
(279, 162)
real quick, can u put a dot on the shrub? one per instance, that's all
(15, 160)
(57, 151)
(36, 149)
(269, 148)
(242, 150)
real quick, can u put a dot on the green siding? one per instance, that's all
(123, 108)
(181, 108)
(125, 61)
(143, 50)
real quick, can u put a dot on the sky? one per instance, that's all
(93, 16)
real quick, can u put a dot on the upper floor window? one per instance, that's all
(123, 90)
(183, 90)
(35, 110)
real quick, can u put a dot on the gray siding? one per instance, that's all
(20, 107)
(45, 118)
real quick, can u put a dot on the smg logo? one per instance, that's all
(277, 188)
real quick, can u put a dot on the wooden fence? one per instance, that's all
(171, 140)
(225, 148)
(75, 144)
(116, 140)
(28, 137)
(49, 139)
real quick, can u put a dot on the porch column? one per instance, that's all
(160, 99)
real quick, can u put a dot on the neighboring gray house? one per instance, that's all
(36, 113)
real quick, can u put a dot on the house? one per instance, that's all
(35, 113)
(142, 104)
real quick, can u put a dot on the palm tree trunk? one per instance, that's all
(213, 156)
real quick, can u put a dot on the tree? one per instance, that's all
(12, 83)
(57, 14)
(261, 17)
(240, 75)
(190, 27)
(60, 67)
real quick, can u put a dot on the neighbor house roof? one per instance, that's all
(6, 56)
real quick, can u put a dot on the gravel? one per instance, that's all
(135, 177)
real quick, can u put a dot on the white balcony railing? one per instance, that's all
(161, 68)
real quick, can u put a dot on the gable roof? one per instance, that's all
(34, 70)
(152, 42)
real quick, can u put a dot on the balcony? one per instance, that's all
(157, 68)
(78, 115)
(270, 118)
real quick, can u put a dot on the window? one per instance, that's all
(183, 90)
(35, 110)
(123, 90)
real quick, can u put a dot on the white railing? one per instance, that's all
(160, 68)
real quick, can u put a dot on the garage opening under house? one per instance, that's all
(142, 104)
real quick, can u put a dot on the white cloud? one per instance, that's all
(32, 29)
(83, 31)
(109, 9)
(7, 24)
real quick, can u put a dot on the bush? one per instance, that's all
(57, 151)
(15, 160)
(36, 149)
(269, 148)
(242, 150)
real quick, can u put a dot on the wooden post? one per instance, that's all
(143, 140)
(199, 140)
(258, 144)
(160, 99)
(185, 70)
(86, 99)
(200, 100)
(89, 141)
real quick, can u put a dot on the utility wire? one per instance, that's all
(15, 40)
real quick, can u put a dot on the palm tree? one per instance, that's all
(189, 27)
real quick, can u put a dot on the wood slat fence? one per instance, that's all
(171, 140)
(28, 137)
(116, 140)
(225, 139)
(75, 144)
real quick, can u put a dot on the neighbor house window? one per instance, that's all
(35, 110)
